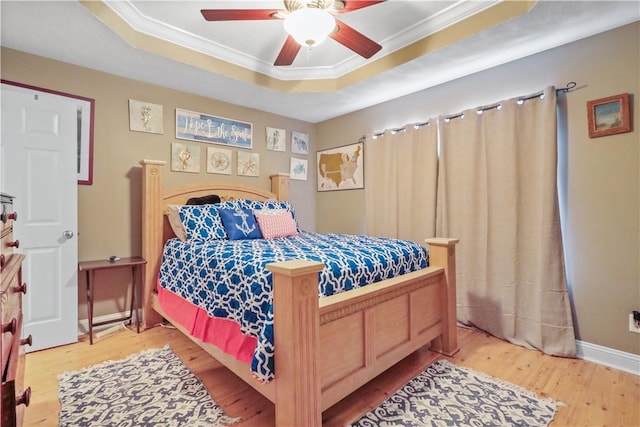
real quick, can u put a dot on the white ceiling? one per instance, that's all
(70, 32)
(255, 44)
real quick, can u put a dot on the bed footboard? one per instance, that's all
(327, 348)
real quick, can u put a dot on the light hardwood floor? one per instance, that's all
(594, 395)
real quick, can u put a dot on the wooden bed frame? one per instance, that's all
(324, 348)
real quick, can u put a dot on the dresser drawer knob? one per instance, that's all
(6, 216)
(11, 326)
(27, 341)
(14, 244)
(22, 288)
(24, 398)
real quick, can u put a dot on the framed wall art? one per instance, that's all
(85, 115)
(145, 117)
(219, 160)
(299, 143)
(298, 169)
(201, 127)
(276, 139)
(341, 168)
(248, 163)
(185, 157)
(609, 116)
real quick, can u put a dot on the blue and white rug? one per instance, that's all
(449, 395)
(152, 388)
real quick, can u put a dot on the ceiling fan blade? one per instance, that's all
(288, 52)
(355, 40)
(350, 5)
(238, 14)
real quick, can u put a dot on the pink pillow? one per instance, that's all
(278, 225)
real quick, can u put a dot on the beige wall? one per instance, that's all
(600, 177)
(109, 210)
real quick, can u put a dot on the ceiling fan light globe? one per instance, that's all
(309, 26)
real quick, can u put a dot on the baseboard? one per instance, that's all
(83, 324)
(627, 362)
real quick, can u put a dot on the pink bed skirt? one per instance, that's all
(223, 333)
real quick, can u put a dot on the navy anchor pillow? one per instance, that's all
(240, 224)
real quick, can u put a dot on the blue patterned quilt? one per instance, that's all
(228, 278)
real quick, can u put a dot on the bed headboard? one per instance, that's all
(155, 225)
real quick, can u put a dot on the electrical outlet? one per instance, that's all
(632, 325)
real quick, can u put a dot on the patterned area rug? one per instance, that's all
(149, 388)
(449, 395)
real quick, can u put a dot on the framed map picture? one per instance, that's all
(341, 168)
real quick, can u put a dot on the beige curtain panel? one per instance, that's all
(400, 194)
(497, 193)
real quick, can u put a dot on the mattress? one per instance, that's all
(229, 281)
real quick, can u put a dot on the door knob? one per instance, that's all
(67, 234)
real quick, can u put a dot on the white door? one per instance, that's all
(39, 154)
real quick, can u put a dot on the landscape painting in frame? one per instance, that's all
(248, 164)
(299, 143)
(276, 139)
(298, 169)
(185, 157)
(219, 160)
(609, 116)
(341, 168)
(200, 127)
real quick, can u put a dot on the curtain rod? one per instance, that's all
(400, 129)
(568, 88)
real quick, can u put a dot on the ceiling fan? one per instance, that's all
(308, 23)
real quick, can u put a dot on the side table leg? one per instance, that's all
(90, 304)
(133, 293)
(136, 292)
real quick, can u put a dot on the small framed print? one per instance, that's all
(299, 143)
(185, 157)
(248, 164)
(145, 117)
(609, 116)
(219, 160)
(276, 139)
(298, 169)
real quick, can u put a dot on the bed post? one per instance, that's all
(296, 332)
(152, 216)
(442, 253)
(280, 186)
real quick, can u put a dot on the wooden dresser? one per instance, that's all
(15, 397)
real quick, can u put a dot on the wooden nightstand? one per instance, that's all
(90, 267)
